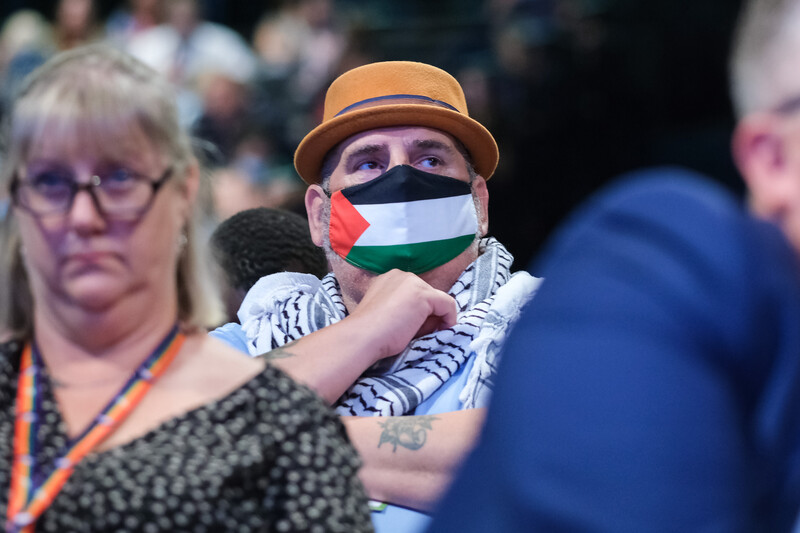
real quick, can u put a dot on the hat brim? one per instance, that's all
(479, 142)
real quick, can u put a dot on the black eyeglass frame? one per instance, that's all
(90, 187)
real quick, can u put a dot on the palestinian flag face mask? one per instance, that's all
(405, 218)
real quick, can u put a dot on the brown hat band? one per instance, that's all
(396, 99)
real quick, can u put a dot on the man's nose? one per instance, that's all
(399, 157)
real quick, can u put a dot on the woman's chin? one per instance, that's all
(94, 293)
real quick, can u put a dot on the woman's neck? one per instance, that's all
(80, 347)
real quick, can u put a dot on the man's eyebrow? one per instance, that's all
(431, 144)
(367, 149)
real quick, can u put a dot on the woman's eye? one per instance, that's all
(120, 175)
(120, 179)
(51, 180)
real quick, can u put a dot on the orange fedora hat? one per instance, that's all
(394, 93)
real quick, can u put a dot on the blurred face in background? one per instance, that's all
(767, 151)
(75, 17)
(183, 15)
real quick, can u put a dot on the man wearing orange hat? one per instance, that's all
(397, 198)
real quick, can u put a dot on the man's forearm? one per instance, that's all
(397, 307)
(410, 460)
(328, 361)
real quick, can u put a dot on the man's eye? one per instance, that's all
(431, 162)
(368, 165)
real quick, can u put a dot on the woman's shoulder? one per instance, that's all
(264, 406)
(273, 400)
(277, 396)
(211, 389)
(275, 383)
(216, 368)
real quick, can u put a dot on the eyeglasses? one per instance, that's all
(120, 193)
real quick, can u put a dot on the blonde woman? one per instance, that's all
(117, 411)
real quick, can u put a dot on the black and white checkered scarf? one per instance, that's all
(286, 306)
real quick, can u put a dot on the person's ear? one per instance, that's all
(315, 208)
(482, 194)
(760, 151)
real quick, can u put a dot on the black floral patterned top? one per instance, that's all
(270, 456)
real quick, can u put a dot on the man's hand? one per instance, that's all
(398, 307)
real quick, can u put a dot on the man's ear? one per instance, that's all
(482, 194)
(760, 152)
(315, 208)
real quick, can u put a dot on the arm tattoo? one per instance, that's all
(280, 352)
(407, 431)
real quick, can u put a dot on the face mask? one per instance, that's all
(405, 218)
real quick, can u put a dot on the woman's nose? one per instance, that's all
(85, 211)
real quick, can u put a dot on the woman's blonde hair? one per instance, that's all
(91, 97)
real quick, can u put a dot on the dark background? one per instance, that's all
(595, 88)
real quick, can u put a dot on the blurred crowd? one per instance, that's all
(570, 88)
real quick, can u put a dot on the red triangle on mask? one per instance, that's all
(346, 225)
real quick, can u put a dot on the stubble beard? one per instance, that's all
(353, 281)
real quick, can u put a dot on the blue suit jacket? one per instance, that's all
(653, 383)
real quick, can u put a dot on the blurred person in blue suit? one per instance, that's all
(655, 385)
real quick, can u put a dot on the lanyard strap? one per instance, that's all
(28, 499)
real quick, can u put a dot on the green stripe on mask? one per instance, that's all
(416, 258)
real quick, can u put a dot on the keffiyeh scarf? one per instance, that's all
(286, 306)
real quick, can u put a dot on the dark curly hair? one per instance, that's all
(262, 241)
